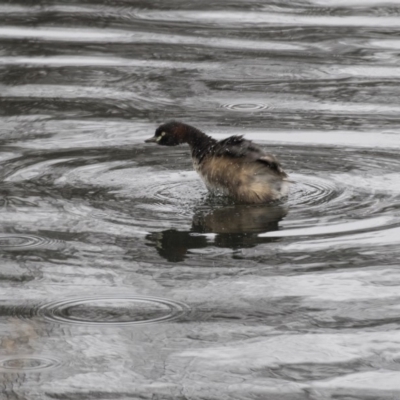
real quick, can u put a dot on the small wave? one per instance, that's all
(351, 226)
(77, 61)
(241, 18)
(114, 36)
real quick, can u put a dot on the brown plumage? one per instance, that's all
(234, 166)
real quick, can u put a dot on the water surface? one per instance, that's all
(122, 278)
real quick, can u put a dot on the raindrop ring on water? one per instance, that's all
(244, 107)
(20, 242)
(113, 310)
(28, 363)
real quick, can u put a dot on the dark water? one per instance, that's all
(121, 278)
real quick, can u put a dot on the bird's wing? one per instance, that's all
(238, 147)
(271, 162)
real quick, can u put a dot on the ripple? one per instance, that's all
(244, 107)
(353, 196)
(81, 61)
(113, 310)
(28, 363)
(150, 199)
(313, 191)
(15, 202)
(252, 18)
(122, 36)
(352, 226)
(155, 190)
(22, 242)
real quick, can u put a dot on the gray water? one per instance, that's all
(121, 278)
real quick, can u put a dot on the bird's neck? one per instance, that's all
(198, 141)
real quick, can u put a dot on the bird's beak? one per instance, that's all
(151, 140)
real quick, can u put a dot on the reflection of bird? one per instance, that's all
(239, 219)
(173, 245)
(234, 226)
(238, 226)
(234, 166)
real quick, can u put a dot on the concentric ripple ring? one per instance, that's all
(20, 242)
(113, 310)
(28, 363)
(245, 107)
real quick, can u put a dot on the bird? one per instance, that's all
(235, 167)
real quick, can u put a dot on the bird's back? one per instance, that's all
(239, 168)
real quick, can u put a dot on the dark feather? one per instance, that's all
(238, 147)
(273, 164)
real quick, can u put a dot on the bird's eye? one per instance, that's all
(163, 133)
